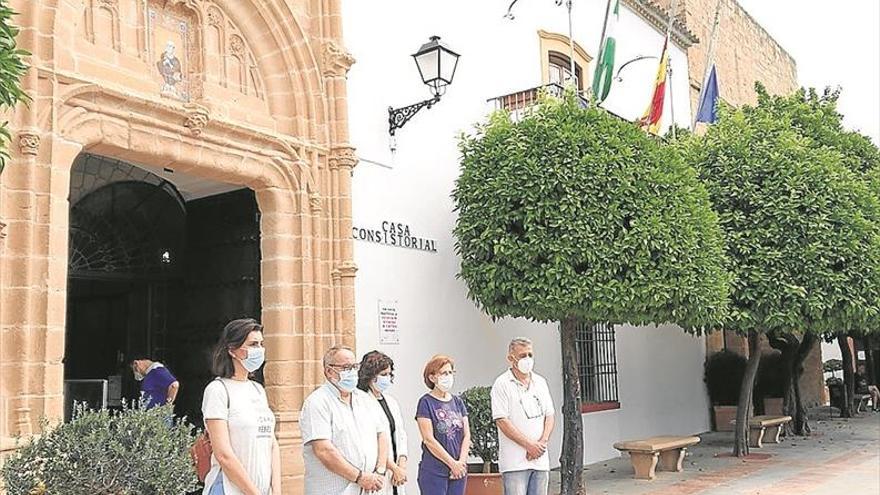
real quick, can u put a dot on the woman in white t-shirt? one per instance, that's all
(246, 458)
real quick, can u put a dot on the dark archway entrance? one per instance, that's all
(157, 265)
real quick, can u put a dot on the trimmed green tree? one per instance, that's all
(12, 68)
(815, 117)
(574, 215)
(799, 235)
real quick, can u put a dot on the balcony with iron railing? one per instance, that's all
(519, 103)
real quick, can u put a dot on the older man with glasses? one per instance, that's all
(343, 433)
(523, 411)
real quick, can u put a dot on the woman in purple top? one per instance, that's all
(446, 436)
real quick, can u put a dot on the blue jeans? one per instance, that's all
(528, 482)
(217, 487)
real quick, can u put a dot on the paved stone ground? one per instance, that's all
(841, 458)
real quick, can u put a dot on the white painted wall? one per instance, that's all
(660, 369)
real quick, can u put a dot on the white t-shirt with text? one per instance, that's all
(251, 430)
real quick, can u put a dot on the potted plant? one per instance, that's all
(770, 384)
(723, 375)
(483, 478)
(835, 391)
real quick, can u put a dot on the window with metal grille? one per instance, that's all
(597, 366)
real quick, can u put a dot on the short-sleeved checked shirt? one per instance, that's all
(352, 428)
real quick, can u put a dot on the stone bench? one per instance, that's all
(860, 402)
(766, 426)
(645, 454)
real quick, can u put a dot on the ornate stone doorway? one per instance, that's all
(153, 270)
(242, 92)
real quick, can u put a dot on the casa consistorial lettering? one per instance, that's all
(396, 234)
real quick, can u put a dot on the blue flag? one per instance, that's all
(708, 99)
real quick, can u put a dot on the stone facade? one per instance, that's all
(744, 52)
(251, 93)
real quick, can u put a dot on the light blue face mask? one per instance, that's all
(255, 358)
(348, 380)
(383, 382)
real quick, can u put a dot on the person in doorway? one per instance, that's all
(864, 387)
(446, 435)
(158, 385)
(343, 432)
(375, 377)
(523, 412)
(246, 459)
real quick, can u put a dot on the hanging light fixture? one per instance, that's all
(436, 63)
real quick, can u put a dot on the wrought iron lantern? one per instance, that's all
(436, 64)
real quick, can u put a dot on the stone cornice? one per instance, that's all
(659, 18)
(247, 133)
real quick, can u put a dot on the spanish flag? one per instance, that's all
(652, 116)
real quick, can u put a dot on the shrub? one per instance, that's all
(135, 451)
(770, 376)
(484, 435)
(724, 371)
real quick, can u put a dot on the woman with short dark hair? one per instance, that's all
(375, 376)
(246, 459)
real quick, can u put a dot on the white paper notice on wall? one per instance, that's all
(389, 330)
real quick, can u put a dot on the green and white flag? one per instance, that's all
(605, 65)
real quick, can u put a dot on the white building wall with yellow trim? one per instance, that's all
(660, 370)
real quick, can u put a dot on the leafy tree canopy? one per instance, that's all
(816, 117)
(572, 212)
(802, 238)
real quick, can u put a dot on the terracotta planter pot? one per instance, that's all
(773, 406)
(484, 484)
(725, 416)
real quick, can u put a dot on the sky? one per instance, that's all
(835, 43)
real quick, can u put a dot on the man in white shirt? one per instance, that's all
(523, 411)
(343, 432)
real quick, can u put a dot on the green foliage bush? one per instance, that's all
(801, 232)
(484, 434)
(12, 68)
(572, 212)
(770, 382)
(133, 452)
(723, 375)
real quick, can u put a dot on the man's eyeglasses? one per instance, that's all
(346, 367)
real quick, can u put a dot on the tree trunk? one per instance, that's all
(741, 437)
(801, 421)
(849, 382)
(788, 345)
(572, 458)
(870, 371)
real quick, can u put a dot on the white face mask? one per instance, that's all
(138, 376)
(526, 365)
(445, 383)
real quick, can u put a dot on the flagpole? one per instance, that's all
(710, 53)
(669, 65)
(571, 46)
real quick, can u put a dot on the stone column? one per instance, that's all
(285, 292)
(33, 280)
